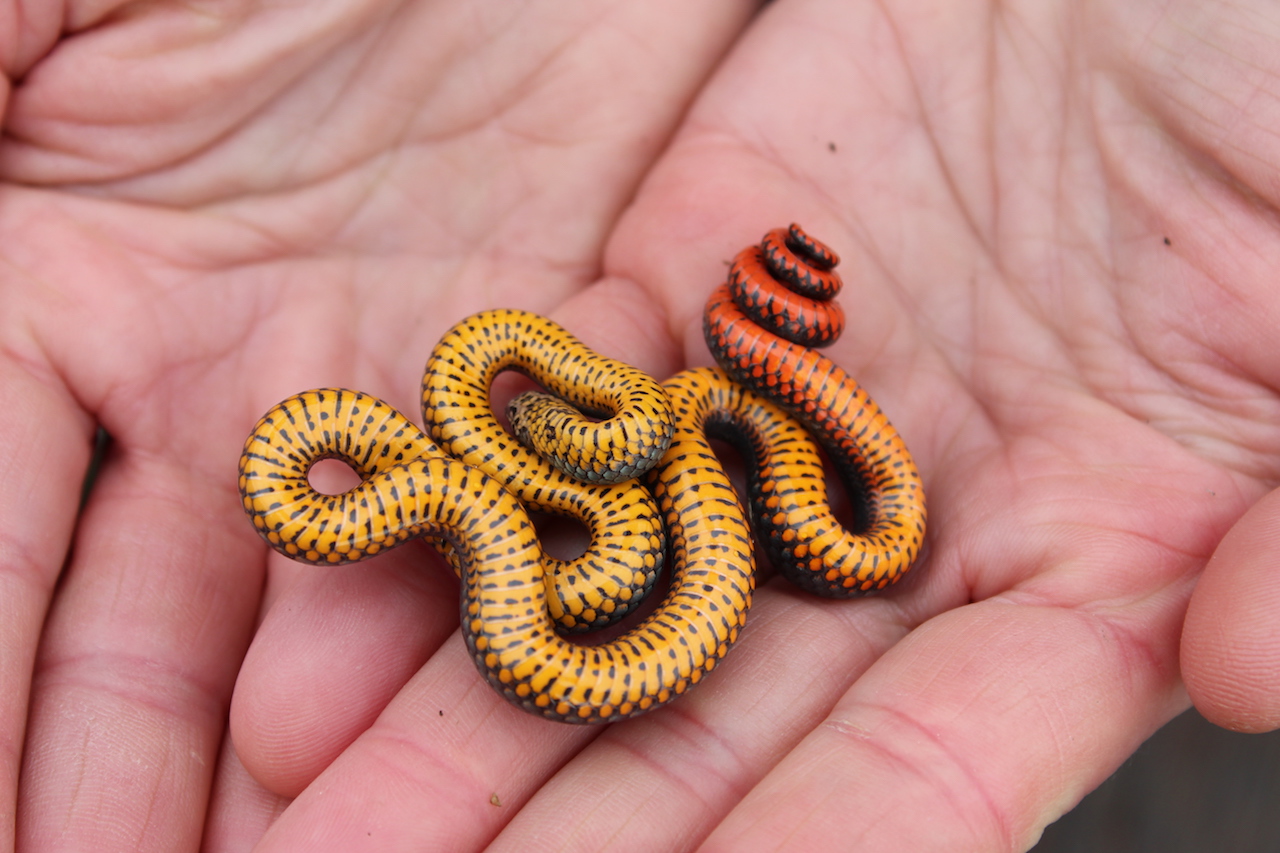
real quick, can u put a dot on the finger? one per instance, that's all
(443, 768)
(136, 666)
(240, 809)
(990, 720)
(1231, 638)
(47, 441)
(333, 650)
(692, 762)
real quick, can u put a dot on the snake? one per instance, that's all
(466, 486)
(763, 327)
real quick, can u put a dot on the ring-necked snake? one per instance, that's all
(515, 601)
(760, 327)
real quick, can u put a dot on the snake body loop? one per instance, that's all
(761, 332)
(455, 396)
(328, 423)
(627, 543)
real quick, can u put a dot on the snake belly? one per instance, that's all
(506, 613)
(461, 493)
(761, 328)
(594, 590)
(575, 471)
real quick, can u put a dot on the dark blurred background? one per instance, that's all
(1191, 788)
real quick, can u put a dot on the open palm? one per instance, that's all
(1056, 233)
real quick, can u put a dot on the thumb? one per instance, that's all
(1231, 637)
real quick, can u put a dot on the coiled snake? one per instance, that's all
(466, 485)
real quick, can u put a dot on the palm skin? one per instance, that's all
(1055, 230)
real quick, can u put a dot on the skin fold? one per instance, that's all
(1057, 230)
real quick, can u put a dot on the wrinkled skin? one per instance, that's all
(1060, 243)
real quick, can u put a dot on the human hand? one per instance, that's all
(1001, 191)
(1066, 212)
(206, 208)
(1057, 289)
(1077, 348)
